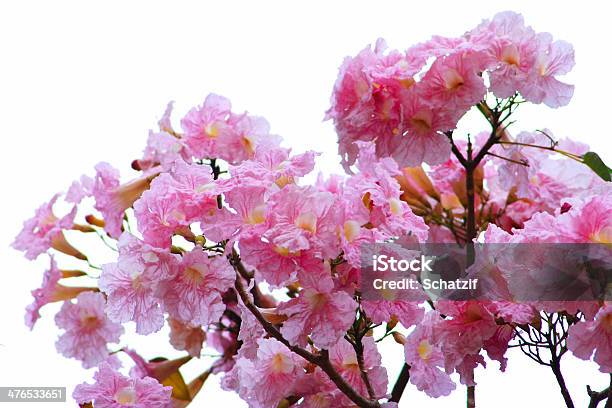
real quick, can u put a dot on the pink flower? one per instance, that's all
(426, 359)
(471, 324)
(194, 295)
(246, 135)
(594, 337)
(366, 101)
(113, 390)
(319, 312)
(44, 231)
(162, 149)
(80, 189)
(113, 198)
(273, 167)
(344, 359)
(87, 329)
(184, 337)
(422, 139)
(554, 58)
(203, 124)
(132, 283)
(512, 48)
(588, 222)
(174, 201)
(50, 291)
(213, 131)
(453, 83)
(271, 376)
(407, 313)
(245, 212)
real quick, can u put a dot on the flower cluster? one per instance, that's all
(219, 237)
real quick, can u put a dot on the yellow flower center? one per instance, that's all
(425, 350)
(126, 396)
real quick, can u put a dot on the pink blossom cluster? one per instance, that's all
(220, 238)
(406, 101)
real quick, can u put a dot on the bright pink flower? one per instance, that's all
(497, 345)
(185, 337)
(44, 231)
(113, 390)
(426, 359)
(87, 329)
(271, 376)
(132, 284)
(319, 311)
(50, 291)
(194, 295)
(113, 198)
(344, 359)
(594, 337)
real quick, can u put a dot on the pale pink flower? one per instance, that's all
(423, 139)
(426, 359)
(87, 329)
(50, 291)
(465, 317)
(194, 295)
(407, 313)
(512, 47)
(271, 376)
(113, 198)
(344, 359)
(185, 337)
(204, 124)
(246, 135)
(594, 338)
(319, 311)
(132, 283)
(163, 149)
(174, 201)
(44, 231)
(553, 58)
(113, 390)
(273, 167)
(366, 102)
(80, 189)
(245, 212)
(452, 83)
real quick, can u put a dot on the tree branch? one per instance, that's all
(400, 384)
(321, 359)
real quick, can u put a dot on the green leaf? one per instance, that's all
(593, 160)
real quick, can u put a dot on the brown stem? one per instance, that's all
(555, 364)
(364, 374)
(471, 396)
(400, 384)
(321, 359)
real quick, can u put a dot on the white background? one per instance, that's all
(82, 82)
